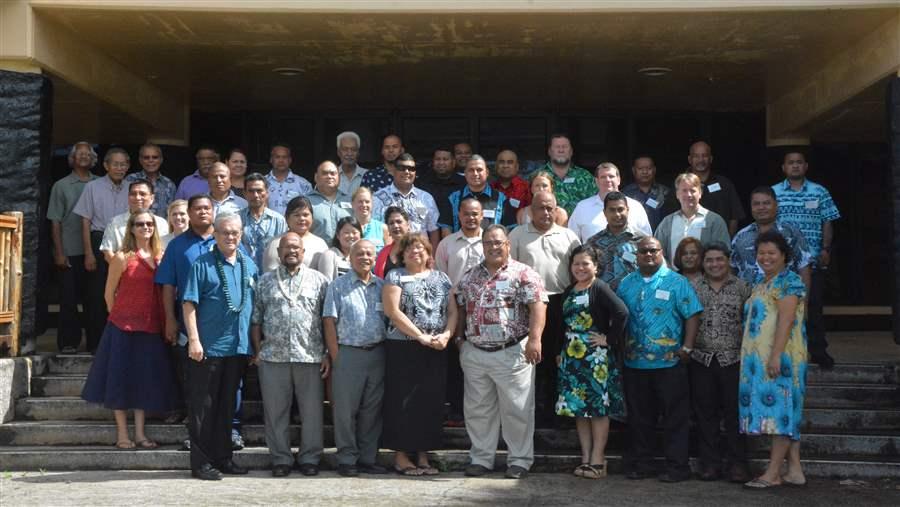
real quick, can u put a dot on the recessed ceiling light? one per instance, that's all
(288, 71)
(654, 71)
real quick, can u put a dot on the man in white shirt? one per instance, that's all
(140, 196)
(588, 219)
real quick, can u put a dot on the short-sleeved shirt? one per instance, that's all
(258, 233)
(497, 305)
(63, 197)
(619, 254)
(658, 308)
(743, 251)
(356, 305)
(175, 267)
(114, 234)
(720, 196)
(223, 331)
(191, 185)
(232, 204)
(457, 254)
(658, 202)
(546, 252)
(719, 335)
(101, 201)
(495, 207)
(418, 204)
(288, 308)
(440, 189)
(518, 191)
(588, 218)
(326, 213)
(577, 186)
(808, 209)
(377, 178)
(281, 192)
(163, 191)
(349, 185)
(424, 299)
(374, 232)
(313, 246)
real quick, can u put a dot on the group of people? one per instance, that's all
(413, 300)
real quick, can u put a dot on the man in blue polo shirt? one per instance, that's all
(218, 302)
(663, 323)
(811, 209)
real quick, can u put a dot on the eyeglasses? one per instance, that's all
(144, 224)
(645, 251)
(407, 168)
(493, 244)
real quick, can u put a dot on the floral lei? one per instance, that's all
(245, 281)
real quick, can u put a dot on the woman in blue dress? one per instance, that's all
(590, 387)
(773, 362)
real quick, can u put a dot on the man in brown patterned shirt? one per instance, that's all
(715, 365)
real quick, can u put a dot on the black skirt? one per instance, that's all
(414, 390)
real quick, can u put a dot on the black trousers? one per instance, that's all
(646, 393)
(181, 361)
(454, 382)
(212, 385)
(714, 397)
(546, 391)
(72, 289)
(815, 317)
(94, 304)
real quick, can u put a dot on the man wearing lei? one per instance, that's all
(218, 302)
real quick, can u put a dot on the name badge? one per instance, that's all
(652, 203)
(811, 204)
(699, 224)
(569, 180)
(407, 279)
(489, 213)
(502, 284)
(715, 187)
(421, 210)
(308, 293)
(582, 299)
(379, 307)
(346, 205)
(629, 257)
(515, 203)
(662, 294)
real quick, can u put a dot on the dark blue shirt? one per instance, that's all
(494, 204)
(175, 266)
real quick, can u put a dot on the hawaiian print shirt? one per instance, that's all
(619, 254)
(743, 251)
(356, 305)
(281, 192)
(258, 233)
(721, 322)
(377, 178)
(518, 191)
(658, 308)
(497, 305)
(577, 186)
(423, 299)
(418, 204)
(288, 309)
(808, 209)
(163, 192)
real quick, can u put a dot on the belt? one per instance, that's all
(495, 348)
(362, 347)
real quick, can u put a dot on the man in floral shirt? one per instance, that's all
(503, 305)
(572, 184)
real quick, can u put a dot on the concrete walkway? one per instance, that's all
(259, 488)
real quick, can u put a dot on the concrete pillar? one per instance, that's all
(25, 124)
(893, 110)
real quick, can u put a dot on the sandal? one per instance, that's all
(595, 471)
(792, 484)
(580, 469)
(123, 445)
(428, 470)
(408, 471)
(147, 444)
(760, 483)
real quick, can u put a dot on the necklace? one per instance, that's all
(245, 281)
(286, 291)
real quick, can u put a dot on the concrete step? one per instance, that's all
(68, 433)
(73, 408)
(823, 420)
(852, 396)
(451, 461)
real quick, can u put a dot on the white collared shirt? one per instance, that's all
(588, 219)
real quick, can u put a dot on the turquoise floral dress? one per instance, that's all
(772, 406)
(590, 384)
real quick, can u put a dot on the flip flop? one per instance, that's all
(124, 445)
(579, 470)
(428, 470)
(759, 483)
(147, 444)
(595, 471)
(793, 484)
(409, 471)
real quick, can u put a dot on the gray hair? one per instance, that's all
(223, 218)
(495, 227)
(350, 134)
(75, 146)
(115, 151)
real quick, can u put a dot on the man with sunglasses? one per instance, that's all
(418, 204)
(664, 319)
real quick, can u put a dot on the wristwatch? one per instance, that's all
(458, 340)
(687, 349)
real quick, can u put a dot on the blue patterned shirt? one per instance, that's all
(356, 306)
(494, 203)
(163, 192)
(258, 233)
(377, 178)
(658, 308)
(808, 209)
(418, 204)
(281, 192)
(743, 251)
(288, 309)
(619, 254)
(424, 299)
(327, 213)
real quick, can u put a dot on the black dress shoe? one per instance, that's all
(366, 468)
(516, 472)
(308, 469)
(347, 471)
(709, 474)
(281, 470)
(207, 473)
(739, 473)
(637, 475)
(476, 470)
(231, 468)
(672, 476)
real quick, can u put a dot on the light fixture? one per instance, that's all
(654, 71)
(288, 71)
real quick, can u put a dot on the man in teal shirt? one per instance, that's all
(662, 328)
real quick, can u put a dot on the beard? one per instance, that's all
(561, 161)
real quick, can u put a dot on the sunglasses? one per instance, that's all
(144, 224)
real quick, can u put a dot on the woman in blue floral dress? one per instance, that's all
(773, 362)
(590, 386)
